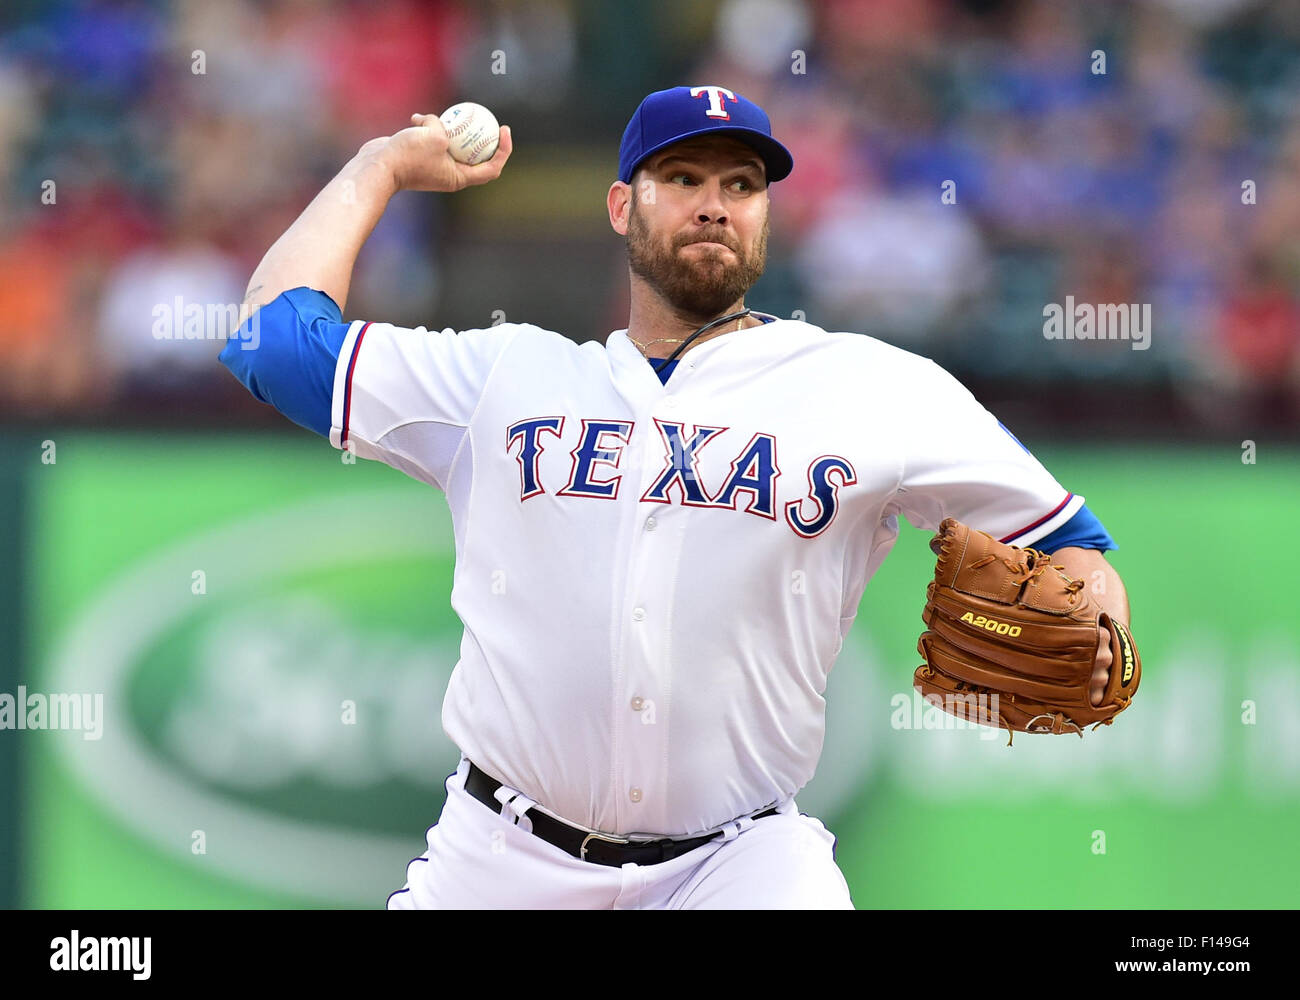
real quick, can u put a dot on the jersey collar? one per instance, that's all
(631, 368)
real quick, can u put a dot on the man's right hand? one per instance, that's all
(418, 158)
(320, 249)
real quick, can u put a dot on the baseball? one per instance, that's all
(472, 131)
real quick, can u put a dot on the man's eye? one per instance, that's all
(682, 177)
(744, 184)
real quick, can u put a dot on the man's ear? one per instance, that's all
(619, 202)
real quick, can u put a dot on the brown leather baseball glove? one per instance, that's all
(1012, 641)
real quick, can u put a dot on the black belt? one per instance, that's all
(598, 848)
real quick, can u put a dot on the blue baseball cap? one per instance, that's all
(669, 116)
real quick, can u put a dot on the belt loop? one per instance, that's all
(734, 829)
(517, 802)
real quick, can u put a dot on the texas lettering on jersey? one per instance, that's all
(596, 458)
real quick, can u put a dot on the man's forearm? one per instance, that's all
(320, 249)
(1103, 583)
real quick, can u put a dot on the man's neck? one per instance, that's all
(658, 330)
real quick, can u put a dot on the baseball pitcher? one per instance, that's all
(662, 540)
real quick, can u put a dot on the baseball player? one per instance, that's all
(661, 540)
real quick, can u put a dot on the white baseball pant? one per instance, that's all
(478, 859)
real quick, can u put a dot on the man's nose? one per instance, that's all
(711, 207)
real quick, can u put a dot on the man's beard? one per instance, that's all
(701, 288)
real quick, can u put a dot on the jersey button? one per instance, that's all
(670, 402)
(638, 614)
(638, 703)
(634, 794)
(651, 524)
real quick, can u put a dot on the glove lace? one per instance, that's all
(1059, 721)
(1123, 704)
(1032, 565)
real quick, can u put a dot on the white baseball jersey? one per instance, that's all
(655, 580)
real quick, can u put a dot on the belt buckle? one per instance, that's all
(582, 851)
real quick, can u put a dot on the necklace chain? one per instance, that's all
(671, 340)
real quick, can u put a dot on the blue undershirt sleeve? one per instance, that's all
(1083, 530)
(286, 355)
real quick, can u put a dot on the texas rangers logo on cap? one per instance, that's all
(715, 95)
(669, 116)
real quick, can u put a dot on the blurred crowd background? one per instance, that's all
(185, 560)
(182, 137)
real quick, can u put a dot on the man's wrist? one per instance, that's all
(373, 169)
(1107, 590)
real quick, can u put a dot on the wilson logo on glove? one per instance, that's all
(1129, 654)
